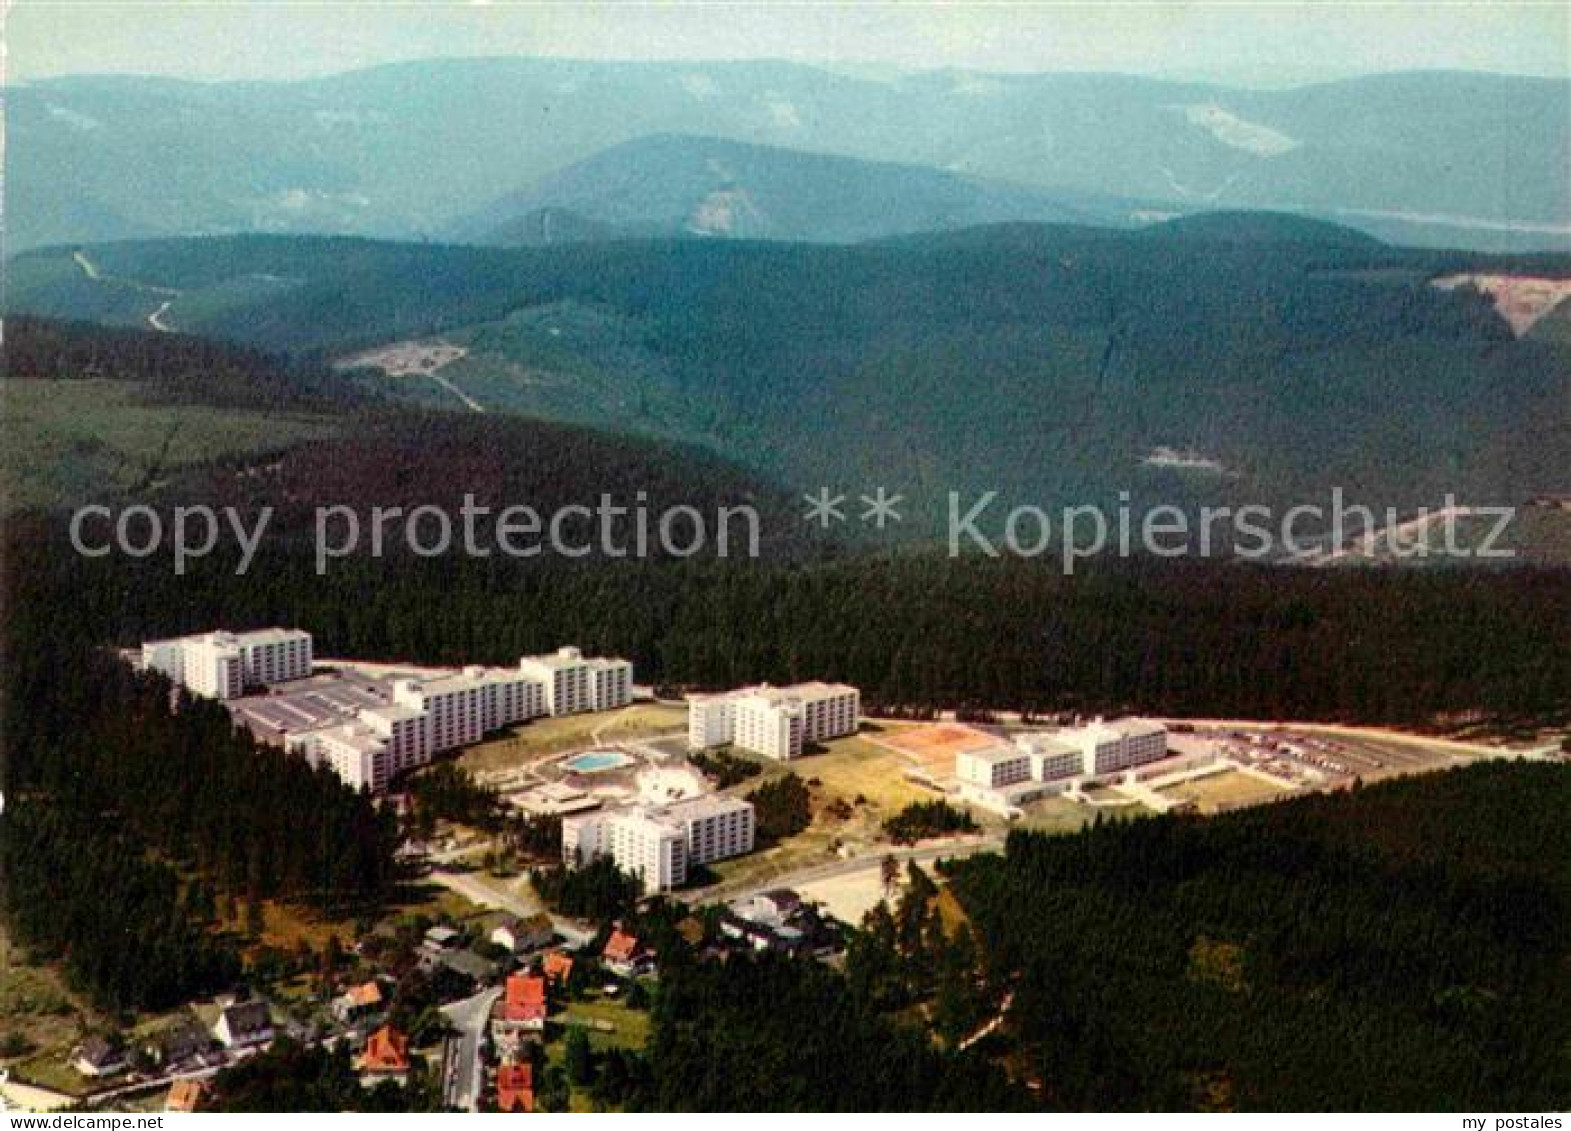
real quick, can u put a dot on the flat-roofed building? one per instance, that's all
(355, 753)
(993, 767)
(221, 665)
(1111, 747)
(777, 722)
(1004, 778)
(463, 708)
(1051, 759)
(404, 730)
(574, 682)
(659, 845)
(716, 827)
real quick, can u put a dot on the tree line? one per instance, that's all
(917, 633)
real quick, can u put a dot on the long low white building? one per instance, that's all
(1033, 765)
(659, 845)
(777, 722)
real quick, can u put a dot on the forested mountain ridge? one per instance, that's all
(405, 150)
(1219, 360)
(669, 185)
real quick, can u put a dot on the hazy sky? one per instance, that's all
(1251, 43)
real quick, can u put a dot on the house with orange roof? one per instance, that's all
(358, 1003)
(515, 1088)
(625, 954)
(185, 1095)
(386, 1053)
(524, 1002)
(558, 966)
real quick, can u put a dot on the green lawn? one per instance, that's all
(541, 737)
(36, 1005)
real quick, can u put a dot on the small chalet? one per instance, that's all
(181, 1043)
(386, 1053)
(558, 966)
(525, 1004)
(625, 954)
(186, 1095)
(523, 936)
(358, 1003)
(515, 1088)
(245, 1024)
(98, 1056)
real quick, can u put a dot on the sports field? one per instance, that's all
(931, 747)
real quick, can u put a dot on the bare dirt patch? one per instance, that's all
(1520, 299)
(405, 359)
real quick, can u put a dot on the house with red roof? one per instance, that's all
(524, 1002)
(186, 1095)
(520, 1014)
(386, 1053)
(515, 1088)
(625, 954)
(558, 967)
(359, 1003)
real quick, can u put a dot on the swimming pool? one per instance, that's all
(594, 761)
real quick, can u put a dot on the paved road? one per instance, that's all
(156, 319)
(836, 869)
(493, 895)
(1458, 747)
(461, 1088)
(488, 894)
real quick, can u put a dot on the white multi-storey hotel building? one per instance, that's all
(222, 665)
(660, 845)
(1036, 764)
(574, 682)
(377, 728)
(777, 722)
(429, 716)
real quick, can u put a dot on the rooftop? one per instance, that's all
(993, 755)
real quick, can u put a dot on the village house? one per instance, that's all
(522, 937)
(244, 1025)
(180, 1043)
(558, 968)
(386, 1055)
(521, 1013)
(186, 1096)
(358, 1004)
(515, 1088)
(476, 968)
(98, 1057)
(625, 954)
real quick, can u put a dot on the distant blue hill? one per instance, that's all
(676, 185)
(408, 150)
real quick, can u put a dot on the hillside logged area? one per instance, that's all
(1222, 360)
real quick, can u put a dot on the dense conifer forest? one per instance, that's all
(132, 811)
(1399, 947)
(917, 633)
